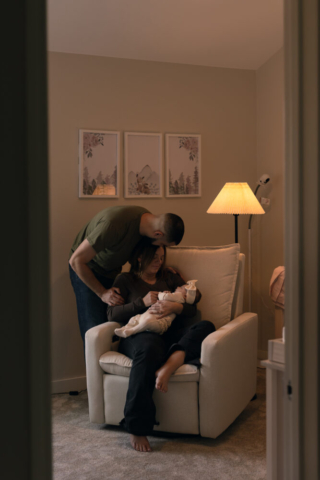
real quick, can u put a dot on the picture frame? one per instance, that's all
(143, 165)
(99, 164)
(183, 165)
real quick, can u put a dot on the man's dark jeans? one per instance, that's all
(91, 310)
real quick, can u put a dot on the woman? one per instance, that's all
(154, 357)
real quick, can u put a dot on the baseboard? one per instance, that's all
(68, 384)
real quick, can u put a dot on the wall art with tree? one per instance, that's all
(99, 154)
(183, 162)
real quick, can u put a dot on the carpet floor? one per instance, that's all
(85, 451)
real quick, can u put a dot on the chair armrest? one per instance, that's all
(228, 374)
(98, 341)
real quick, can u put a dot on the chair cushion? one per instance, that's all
(116, 363)
(216, 269)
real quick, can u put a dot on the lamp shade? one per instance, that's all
(236, 199)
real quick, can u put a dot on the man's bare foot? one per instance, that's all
(162, 379)
(141, 444)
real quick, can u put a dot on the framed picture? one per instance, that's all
(143, 165)
(183, 159)
(99, 154)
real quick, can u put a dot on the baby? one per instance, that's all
(149, 321)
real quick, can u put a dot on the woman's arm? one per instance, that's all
(162, 308)
(123, 313)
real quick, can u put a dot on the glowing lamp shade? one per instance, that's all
(236, 199)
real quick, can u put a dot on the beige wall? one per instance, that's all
(268, 229)
(127, 95)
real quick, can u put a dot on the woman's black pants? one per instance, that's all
(148, 352)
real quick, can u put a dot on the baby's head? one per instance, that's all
(182, 290)
(191, 295)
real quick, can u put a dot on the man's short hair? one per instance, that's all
(173, 228)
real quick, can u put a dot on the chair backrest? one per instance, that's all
(216, 269)
(220, 275)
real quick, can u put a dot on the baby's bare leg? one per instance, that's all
(123, 331)
(139, 325)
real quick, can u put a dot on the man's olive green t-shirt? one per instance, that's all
(112, 233)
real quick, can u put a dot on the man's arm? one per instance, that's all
(78, 262)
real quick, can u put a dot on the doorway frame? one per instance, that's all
(302, 201)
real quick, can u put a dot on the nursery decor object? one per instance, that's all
(277, 294)
(99, 155)
(183, 159)
(142, 165)
(236, 199)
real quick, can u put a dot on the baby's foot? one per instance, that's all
(141, 444)
(163, 375)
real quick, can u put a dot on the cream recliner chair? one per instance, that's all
(201, 401)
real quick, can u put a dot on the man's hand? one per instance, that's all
(150, 298)
(162, 308)
(112, 297)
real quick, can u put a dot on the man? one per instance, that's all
(103, 246)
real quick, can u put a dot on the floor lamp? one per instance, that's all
(237, 199)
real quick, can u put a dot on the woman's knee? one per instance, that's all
(205, 325)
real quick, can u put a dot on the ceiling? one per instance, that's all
(217, 33)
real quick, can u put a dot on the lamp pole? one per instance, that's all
(236, 215)
(250, 255)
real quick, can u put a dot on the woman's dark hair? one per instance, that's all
(146, 252)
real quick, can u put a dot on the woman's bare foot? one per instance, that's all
(164, 373)
(141, 444)
(162, 379)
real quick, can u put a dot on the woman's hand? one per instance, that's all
(150, 298)
(162, 308)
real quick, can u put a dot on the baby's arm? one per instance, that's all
(176, 296)
(188, 310)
